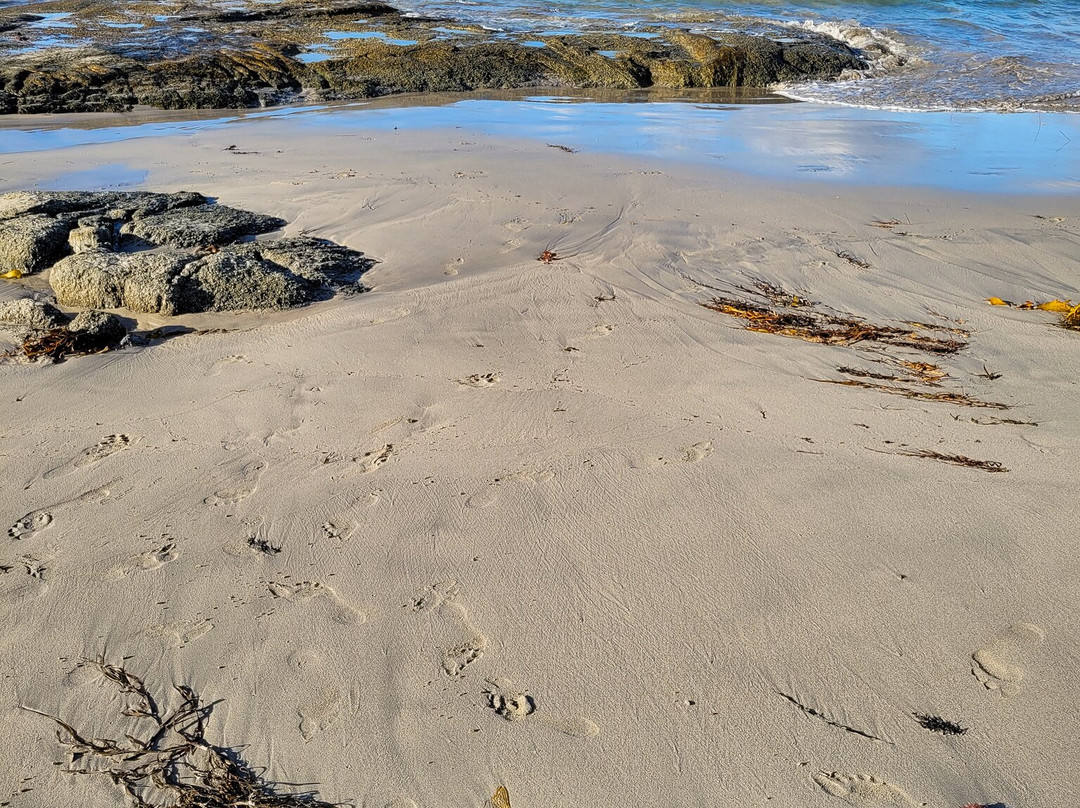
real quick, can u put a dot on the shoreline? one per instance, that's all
(763, 135)
(493, 481)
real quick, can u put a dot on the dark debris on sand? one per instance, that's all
(165, 759)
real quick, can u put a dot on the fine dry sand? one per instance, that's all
(557, 526)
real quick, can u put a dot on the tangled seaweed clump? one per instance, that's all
(165, 759)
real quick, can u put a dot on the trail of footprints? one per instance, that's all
(501, 695)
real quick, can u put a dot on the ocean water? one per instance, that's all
(926, 54)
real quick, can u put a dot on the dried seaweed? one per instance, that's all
(852, 259)
(957, 460)
(57, 344)
(174, 764)
(263, 546)
(992, 421)
(1070, 313)
(936, 723)
(822, 717)
(959, 399)
(828, 329)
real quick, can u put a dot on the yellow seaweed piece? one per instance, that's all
(1056, 305)
(501, 798)
(12, 274)
(996, 301)
(1072, 319)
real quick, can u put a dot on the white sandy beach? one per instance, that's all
(492, 478)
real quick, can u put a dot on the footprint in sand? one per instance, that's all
(106, 447)
(999, 664)
(341, 611)
(698, 452)
(864, 790)
(241, 489)
(480, 380)
(182, 632)
(457, 658)
(149, 560)
(370, 461)
(30, 524)
(314, 718)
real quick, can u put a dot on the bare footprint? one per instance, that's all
(340, 610)
(999, 665)
(864, 790)
(182, 632)
(107, 446)
(456, 660)
(30, 524)
(480, 380)
(149, 560)
(370, 461)
(507, 701)
(314, 718)
(698, 452)
(241, 489)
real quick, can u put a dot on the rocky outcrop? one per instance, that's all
(170, 253)
(200, 226)
(142, 282)
(31, 243)
(255, 55)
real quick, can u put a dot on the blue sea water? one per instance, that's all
(925, 54)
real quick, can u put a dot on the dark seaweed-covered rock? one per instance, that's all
(28, 244)
(200, 226)
(245, 55)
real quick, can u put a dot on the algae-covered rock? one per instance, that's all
(202, 225)
(247, 55)
(27, 313)
(29, 244)
(237, 281)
